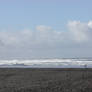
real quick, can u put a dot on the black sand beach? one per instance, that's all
(45, 80)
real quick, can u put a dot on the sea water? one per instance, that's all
(48, 63)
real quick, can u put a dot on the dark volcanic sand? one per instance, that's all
(45, 80)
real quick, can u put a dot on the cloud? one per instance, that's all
(90, 24)
(44, 41)
(79, 31)
(43, 28)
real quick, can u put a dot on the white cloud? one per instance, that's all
(45, 40)
(90, 24)
(79, 31)
(43, 28)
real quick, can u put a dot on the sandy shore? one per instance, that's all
(45, 80)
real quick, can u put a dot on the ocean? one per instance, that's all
(47, 63)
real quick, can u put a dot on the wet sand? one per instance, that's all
(45, 80)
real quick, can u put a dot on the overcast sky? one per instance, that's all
(45, 29)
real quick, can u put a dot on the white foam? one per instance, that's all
(51, 63)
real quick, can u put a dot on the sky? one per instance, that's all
(45, 29)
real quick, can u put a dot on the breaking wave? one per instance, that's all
(48, 63)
